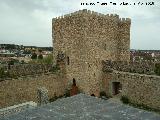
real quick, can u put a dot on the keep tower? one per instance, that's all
(85, 38)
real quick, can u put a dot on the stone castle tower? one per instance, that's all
(86, 38)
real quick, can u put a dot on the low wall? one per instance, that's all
(29, 69)
(139, 88)
(23, 89)
(17, 108)
(145, 67)
(25, 69)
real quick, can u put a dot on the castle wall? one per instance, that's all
(28, 69)
(101, 30)
(123, 46)
(23, 89)
(87, 38)
(139, 88)
(145, 67)
(68, 38)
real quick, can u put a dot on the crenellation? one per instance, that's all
(76, 13)
(123, 19)
(101, 15)
(54, 20)
(81, 11)
(89, 12)
(94, 13)
(128, 19)
(111, 15)
(84, 10)
(107, 15)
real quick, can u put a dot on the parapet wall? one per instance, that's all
(139, 88)
(147, 67)
(24, 89)
(17, 108)
(27, 69)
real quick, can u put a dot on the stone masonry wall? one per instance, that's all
(29, 69)
(87, 38)
(24, 89)
(145, 67)
(139, 88)
(68, 38)
(26, 69)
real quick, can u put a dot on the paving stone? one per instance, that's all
(84, 107)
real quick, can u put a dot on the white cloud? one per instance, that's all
(28, 22)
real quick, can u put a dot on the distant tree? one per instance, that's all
(27, 52)
(40, 56)
(2, 73)
(10, 46)
(157, 69)
(11, 62)
(46, 60)
(34, 56)
(22, 62)
(40, 50)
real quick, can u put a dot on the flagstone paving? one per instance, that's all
(84, 107)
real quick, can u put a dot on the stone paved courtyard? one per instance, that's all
(83, 107)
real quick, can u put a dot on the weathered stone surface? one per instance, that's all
(147, 67)
(83, 107)
(139, 88)
(24, 89)
(86, 38)
(17, 108)
(28, 69)
(42, 94)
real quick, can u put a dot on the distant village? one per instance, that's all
(144, 55)
(19, 54)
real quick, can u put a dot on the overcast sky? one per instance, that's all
(28, 22)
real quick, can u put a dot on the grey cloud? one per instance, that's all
(28, 22)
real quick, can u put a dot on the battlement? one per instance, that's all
(125, 20)
(86, 12)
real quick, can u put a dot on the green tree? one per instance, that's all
(2, 73)
(34, 56)
(157, 69)
(46, 60)
(40, 56)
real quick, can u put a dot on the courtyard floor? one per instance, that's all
(84, 107)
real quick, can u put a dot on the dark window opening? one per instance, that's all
(92, 95)
(105, 46)
(68, 61)
(117, 87)
(74, 81)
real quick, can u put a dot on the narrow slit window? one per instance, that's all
(68, 61)
(105, 47)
